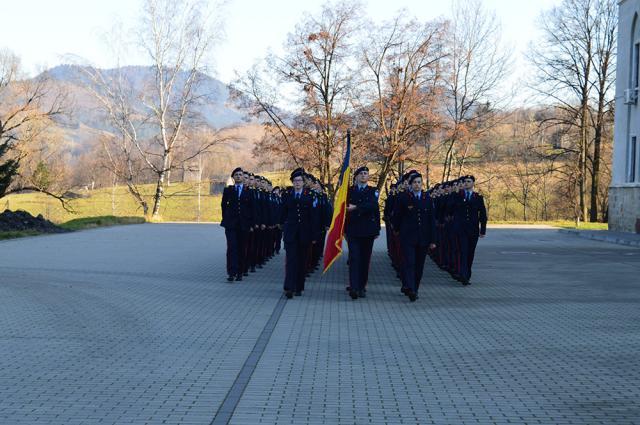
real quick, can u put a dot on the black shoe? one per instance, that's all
(465, 282)
(298, 293)
(259, 266)
(230, 279)
(353, 295)
(412, 295)
(362, 294)
(403, 290)
(288, 294)
(348, 288)
(239, 278)
(245, 274)
(253, 269)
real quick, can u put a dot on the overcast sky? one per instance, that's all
(42, 32)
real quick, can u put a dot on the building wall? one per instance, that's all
(624, 193)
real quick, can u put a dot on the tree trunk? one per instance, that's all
(158, 195)
(134, 192)
(595, 175)
(446, 170)
(113, 197)
(584, 134)
(427, 167)
(597, 145)
(582, 162)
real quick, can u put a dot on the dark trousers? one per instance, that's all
(446, 245)
(387, 235)
(396, 256)
(248, 252)
(439, 257)
(295, 264)
(467, 242)
(454, 251)
(359, 259)
(278, 237)
(236, 250)
(258, 259)
(413, 257)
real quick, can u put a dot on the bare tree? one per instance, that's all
(477, 65)
(524, 168)
(258, 93)
(399, 94)
(158, 125)
(316, 69)
(576, 65)
(564, 61)
(27, 108)
(122, 152)
(605, 33)
(177, 37)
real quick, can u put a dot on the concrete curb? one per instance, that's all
(603, 236)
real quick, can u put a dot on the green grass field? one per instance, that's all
(78, 224)
(181, 204)
(17, 234)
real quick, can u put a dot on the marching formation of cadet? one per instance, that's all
(251, 210)
(258, 217)
(444, 222)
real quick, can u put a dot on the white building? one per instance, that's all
(624, 193)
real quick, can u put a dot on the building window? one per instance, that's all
(632, 163)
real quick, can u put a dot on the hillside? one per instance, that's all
(84, 121)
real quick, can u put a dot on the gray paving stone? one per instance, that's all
(547, 333)
(98, 324)
(137, 325)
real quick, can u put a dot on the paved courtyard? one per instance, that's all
(137, 324)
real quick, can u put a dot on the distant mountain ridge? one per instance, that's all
(217, 111)
(79, 130)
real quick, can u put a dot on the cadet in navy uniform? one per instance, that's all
(277, 212)
(295, 219)
(470, 220)
(361, 228)
(414, 220)
(386, 217)
(237, 220)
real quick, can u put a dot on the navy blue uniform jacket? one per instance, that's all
(237, 213)
(415, 219)
(364, 221)
(469, 216)
(296, 216)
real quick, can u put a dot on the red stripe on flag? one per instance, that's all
(333, 247)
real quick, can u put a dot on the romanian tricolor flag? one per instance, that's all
(333, 248)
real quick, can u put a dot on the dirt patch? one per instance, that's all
(22, 220)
